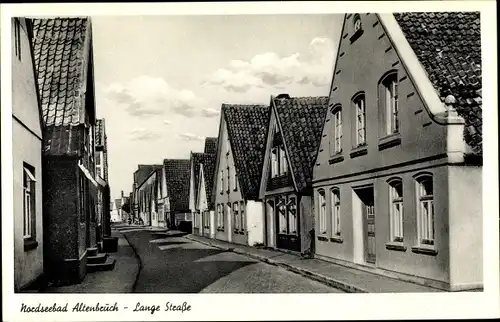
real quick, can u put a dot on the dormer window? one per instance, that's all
(357, 23)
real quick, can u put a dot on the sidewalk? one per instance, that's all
(344, 278)
(119, 280)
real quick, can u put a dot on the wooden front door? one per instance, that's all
(369, 225)
(287, 223)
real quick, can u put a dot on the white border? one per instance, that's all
(269, 307)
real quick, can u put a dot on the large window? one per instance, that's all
(396, 209)
(29, 202)
(220, 217)
(335, 195)
(281, 207)
(322, 212)
(389, 100)
(292, 215)
(360, 118)
(283, 162)
(336, 135)
(425, 211)
(242, 216)
(221, 179)
(279, 164)
(236, 214)
(274, 162)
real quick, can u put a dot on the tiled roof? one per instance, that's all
(99, 132)
(59, 50)
(301, 120)
(196, 159)
(210, 145)
(177, 174)
(143, 172)
(208, 173)
(448, 45)
(247, 132)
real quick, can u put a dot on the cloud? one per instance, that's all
(141, 134)
(146, 96)
(166, 122)
(269, 70)
(191, 137)
(209, 112)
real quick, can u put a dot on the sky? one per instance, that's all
(161, 80)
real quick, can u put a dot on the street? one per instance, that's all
(174, 264)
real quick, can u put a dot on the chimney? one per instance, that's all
(122, 194)
(283, 95)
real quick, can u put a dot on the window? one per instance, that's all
(283, 163)
(228, 179)
(336, 144)
(360, 119)
(396, 209)
(322, 212)
(356, 23)
(237, 226)
(282, 216)
(220, 217)
(425, 210)
(389, 93)
(274, 162)
(17, 37)
(235, 180)
(228, 214)
(242, 216)
(335, 195)
(221, 181)
(292, 215)
(29, 202)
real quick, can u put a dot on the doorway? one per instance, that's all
(367, 205)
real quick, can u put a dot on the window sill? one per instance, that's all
(336, 159)
(220, 229)
(424, 250)
(235, 189)
(30, 244)
(359, 151)
(337, 239)
(396, 246)
(389, 141)
(356, 35)
(322, 238)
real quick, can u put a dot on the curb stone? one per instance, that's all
(348, 288)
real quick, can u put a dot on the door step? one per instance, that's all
(97, 259)
(92, 251)
(108, 265)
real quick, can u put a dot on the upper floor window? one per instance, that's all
(360, 119)
(283, 162)
(17, 37)
(235, 180)
(336, 135)
(29, 202)
(357, 28)
(357, 22)
(228, 179)
(322, 212)
(279, 164)
(396, 209)
(389, 103)
(221, 181)
(335, 195)
(425, 209)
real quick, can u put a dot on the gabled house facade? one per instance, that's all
(27, 134)
(177, 174)
(147, 198)
(398, 177)
(205, 200)
(291, 146)
(239, 215)
(64, 64)
(195, 161)
(140, 175)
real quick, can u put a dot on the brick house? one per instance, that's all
(240, 153)
(177, 177)
(291, 146)
(27, 129)
(398, 177)
(64, 64)
(195, 201)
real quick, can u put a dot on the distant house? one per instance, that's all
(177, 175)
(103, 193)
(64, 64)
(398, 178)
(197, 160)
(205, 198)
(27, 133)
(240, 153)
(140, 175)
(147, 198)
(115, 210)
(292, 143)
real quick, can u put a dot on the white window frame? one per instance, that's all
(425, 211)
(390, 84)
(28, 201)
(322, 221)
(337, 131)
(291, 207)
(335, 209)
(396, 207)
(236, 216)
(274, 162)
(360, 119)
(282, 160)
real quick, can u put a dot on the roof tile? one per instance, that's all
(177, 174)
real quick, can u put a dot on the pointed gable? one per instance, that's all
(247, 132)
(196, 160)
(448, 45)
(209, 160)
(177, 175)
(143, 172)
(210, 145)
(301, 121)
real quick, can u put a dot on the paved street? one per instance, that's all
(174, 264)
